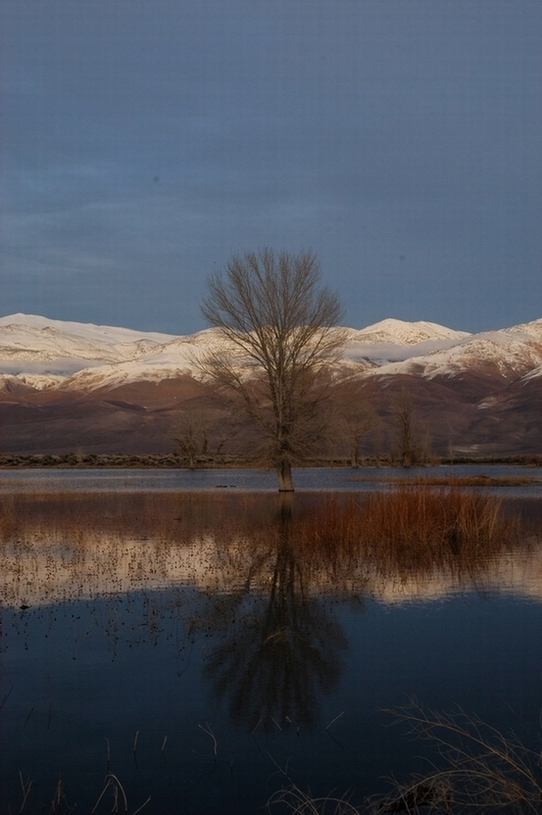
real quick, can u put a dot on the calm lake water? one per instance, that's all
(192, 646)
(315, 478)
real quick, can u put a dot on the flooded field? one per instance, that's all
(200, 651)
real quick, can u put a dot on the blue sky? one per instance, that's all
(145, 141)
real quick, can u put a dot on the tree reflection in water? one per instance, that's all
(285, 648)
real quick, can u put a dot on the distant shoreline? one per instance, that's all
(162, 461)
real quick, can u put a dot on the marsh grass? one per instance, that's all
(407, 517)
(413, 530)
(453, 481)
(112, 798)
(164, 516)
(294, 800)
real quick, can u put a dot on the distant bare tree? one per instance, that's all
(190, 431)
(279, 325)
(411, 444)
(354, 414)
(225, 431)
(202, 431)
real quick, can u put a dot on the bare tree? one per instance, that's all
(190, 431)
(353, 414)
(279, 324)
(202, 431)
(411, 445)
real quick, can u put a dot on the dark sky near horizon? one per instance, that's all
(145, 141)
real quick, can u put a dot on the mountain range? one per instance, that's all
(67, 386)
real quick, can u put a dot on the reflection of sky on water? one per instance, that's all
(249, 644)
(45, 574)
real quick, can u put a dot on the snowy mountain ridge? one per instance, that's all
(42, 353)
(405, 333)
(509, 353)
(104, 333)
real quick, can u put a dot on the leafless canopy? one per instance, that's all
(280, 324)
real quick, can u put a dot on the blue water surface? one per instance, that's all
(305, 478)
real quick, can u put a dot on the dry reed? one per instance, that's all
(412, 529)
(452, 480)
(477, 769)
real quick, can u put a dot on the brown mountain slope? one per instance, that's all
(135, 418)
(464, 415)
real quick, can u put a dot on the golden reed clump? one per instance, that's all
(409, 528)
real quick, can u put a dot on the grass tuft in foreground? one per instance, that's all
(479, 769)
(476, 770)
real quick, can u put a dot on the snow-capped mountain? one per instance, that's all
(174, 358)
(395, 340)
(32, 344)
(107, 334)
(508, 354)
(41, 353)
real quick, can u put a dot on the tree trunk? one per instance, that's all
(284, 475)
(354, 454)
